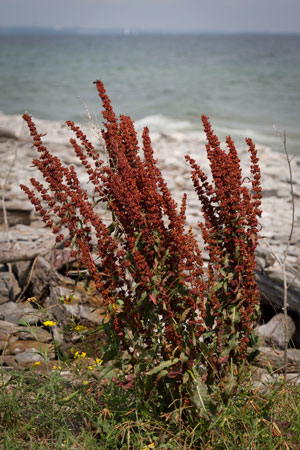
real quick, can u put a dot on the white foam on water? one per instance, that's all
(258, 137)
(54, 131)
(160, 123)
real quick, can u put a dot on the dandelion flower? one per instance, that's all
(31, 299)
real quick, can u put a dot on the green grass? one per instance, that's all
(45, 411)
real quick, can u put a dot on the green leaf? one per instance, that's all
(164, 258)
(231, 344)
(183, 357)
(143, 296)
(225, 287)
(218, 286)
(183, 315)
(68, 398)
(111, 228)
(163, 373)
(163, 365)
(185, 378)
(137, 240)
(199, 394)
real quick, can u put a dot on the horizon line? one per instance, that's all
(127, 31)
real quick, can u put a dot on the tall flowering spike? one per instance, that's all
(229, 232)
(130, 140)
(111, 135)
(108, 112)
(256, 181)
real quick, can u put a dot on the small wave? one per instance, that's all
(260, 137)
(159, 123)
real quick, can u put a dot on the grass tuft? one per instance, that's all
(45, 411)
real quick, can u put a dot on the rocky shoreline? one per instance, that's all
(38, 268)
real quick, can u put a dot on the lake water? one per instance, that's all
(246, 84)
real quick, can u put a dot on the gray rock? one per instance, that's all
(22, 270)
(9, 287)
(273, 332)
(270, 284)
(32, 318)
(21, 346)
(17, 213)
(58, 334)
(17, 312)
(9, 310)
(28, 358)
(6, 340)
(84, 312)
(8, 361)
(275, 358)
(8, 327)
(6, 133)
(34, 333)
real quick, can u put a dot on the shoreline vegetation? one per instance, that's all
(220, 409)
(47, 411)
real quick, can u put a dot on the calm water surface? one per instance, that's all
(245, 84)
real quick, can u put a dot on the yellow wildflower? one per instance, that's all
(152, 445)
(80, 328)
(85, 382)
(68, 299)
(49, 323)
(31, 299)
(79, 355)
(37, 363)
(98, 361)
(91, 367)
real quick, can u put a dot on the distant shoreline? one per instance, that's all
(78, 31)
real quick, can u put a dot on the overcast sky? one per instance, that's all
(193, 15)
